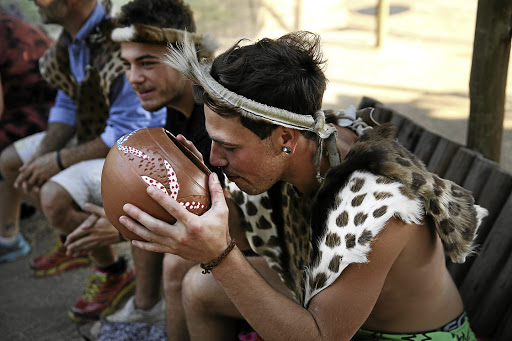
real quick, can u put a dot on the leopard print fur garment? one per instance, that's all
(92, 94)
(310, 241)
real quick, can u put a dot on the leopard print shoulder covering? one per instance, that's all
(92, 95)
(310, 241)
(362, 208)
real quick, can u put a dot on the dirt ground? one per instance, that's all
(422, 71)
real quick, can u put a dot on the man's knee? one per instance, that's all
(198, 293)
(10, 162)
(55, 202)
(174, 270)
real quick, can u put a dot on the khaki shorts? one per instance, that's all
(82, 180)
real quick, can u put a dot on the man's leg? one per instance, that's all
(62, 199)
(12, 243)
(64, 214)
(175, 269)
(10, 198)
(148, 266)
(146, 306)
(209, 312)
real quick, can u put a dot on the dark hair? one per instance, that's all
(162, 13)
(286, 73)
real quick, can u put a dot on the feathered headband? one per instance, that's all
(183, 59)
(140, 33)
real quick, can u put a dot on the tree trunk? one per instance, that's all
(488, 81)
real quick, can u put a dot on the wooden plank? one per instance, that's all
(489, 279)
(426, 145)
(488, 284)
(504, 332)
(493, 196)
(368, 102)
(442, 155)
(479, 171)
(409, 134)
(397, 120)
(383, 114)
(460, 165)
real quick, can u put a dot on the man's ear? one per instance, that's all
(286, 137)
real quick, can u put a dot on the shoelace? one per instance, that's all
(93, 288)
(54, 251)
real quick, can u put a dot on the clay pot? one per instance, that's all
(152, 157)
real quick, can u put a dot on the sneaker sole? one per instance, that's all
(78, 317)
(12, 256)
(72, 264)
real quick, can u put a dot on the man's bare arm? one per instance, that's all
(57, 135)
(43, 164)
(93, 149)
(335, 313)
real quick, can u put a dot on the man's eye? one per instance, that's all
(148, 63)
(126, 66)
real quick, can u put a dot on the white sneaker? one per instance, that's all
(129, 313)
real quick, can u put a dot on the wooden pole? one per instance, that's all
(382, 21)
(488, 80)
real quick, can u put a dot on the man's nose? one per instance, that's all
(217, 157)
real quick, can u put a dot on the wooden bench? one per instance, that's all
(485, 279)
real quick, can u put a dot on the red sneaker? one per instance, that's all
(102, 295)
(56, 261)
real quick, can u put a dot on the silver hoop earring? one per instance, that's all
(287, 150)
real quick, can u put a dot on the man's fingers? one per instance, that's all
(98, 210)
(31, 181)
(190, 146)
(153, 247)
(89, 222)
(170, 205)
(216, 191)
(20, 179)
(139, 222)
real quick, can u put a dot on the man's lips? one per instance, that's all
(144, 93)
(232, 177)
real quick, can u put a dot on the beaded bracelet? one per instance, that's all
(59, 161)
(213, 263)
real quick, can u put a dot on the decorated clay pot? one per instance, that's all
(152, 157)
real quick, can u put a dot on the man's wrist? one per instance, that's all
(216, 261)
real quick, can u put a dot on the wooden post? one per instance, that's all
(488, 80)
(298, 15)
(382, 21)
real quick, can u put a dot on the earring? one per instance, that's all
(287, 150)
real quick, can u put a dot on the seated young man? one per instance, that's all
(95, 105)
(143, 30)
(355, 226)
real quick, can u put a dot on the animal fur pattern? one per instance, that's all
(377, 180)
(140, 33)
(92, 94)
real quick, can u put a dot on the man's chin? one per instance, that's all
(152, 106)
(246, 188)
